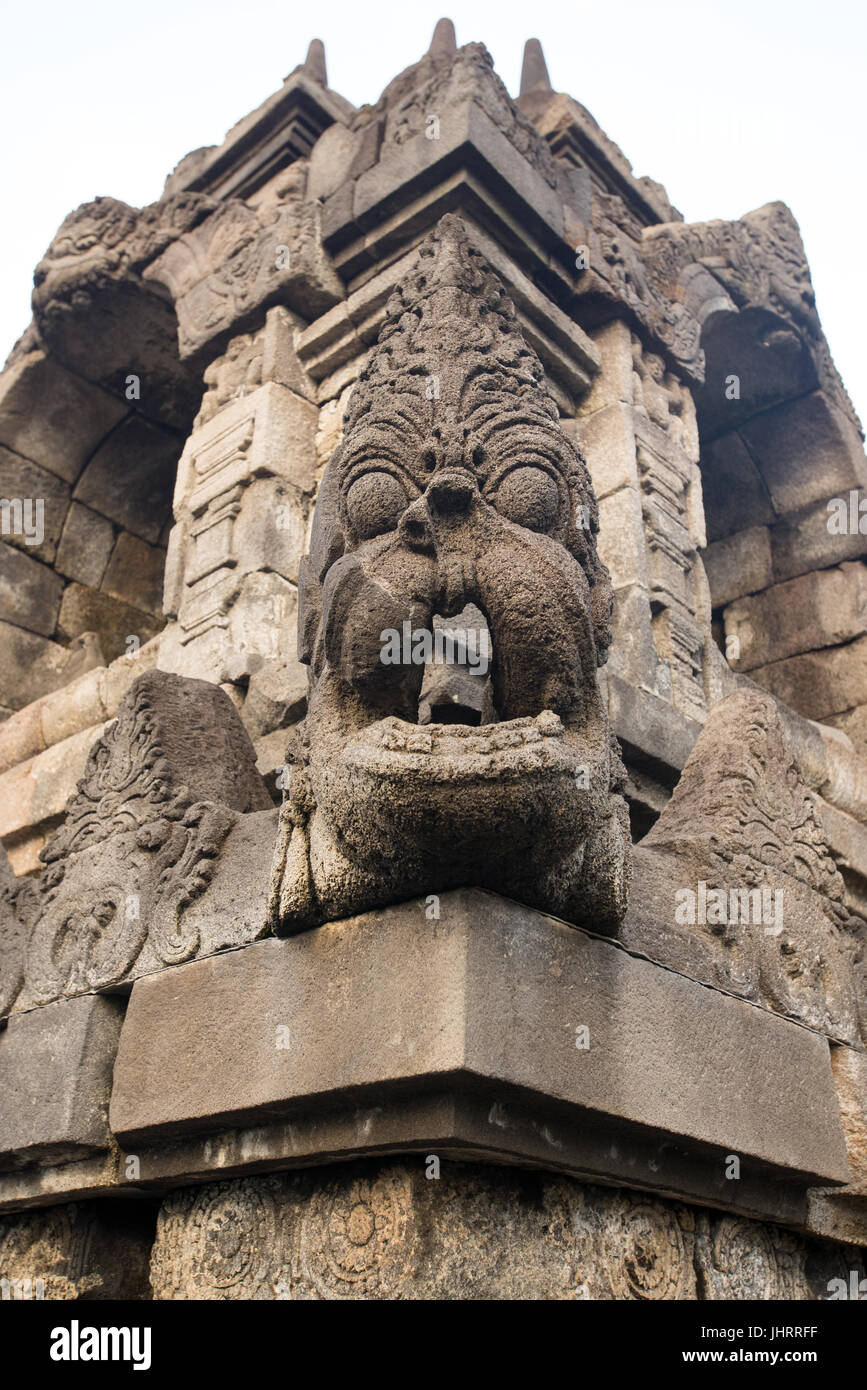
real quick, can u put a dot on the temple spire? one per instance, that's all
(314, 63)
(534, 72)
(444, 43)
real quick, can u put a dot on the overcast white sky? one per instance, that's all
(730, 104)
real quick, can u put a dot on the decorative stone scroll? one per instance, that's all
(454, 485)
(737, 884)
(162, 789)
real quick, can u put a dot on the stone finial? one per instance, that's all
(534, 70)
(444, 43)
(314, 63)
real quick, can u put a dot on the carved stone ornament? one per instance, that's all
(735, 882)
(161, 790)
(454, 490)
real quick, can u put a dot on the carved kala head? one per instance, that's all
(453, 614)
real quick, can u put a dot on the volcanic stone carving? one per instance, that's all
(161, 791)
(78, 1251)
(737, 884)
(427, 1228)
(454, 485)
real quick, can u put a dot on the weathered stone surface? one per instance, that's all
(486, 997)
(160, 793)
(93, 310)
(735, 498)
(740, 564)
(32, 665)
(135, 573)
(420, 1230)
(221, 272)
(805, 451)
(130, 477)
(44, 500)
(21, 736)
(806, 540)
(85, 546)
(55, 1079)
(608, 438)
(81, 1251)
(819, 683)
(649, 724)
(18, 908)
(823, 609)
(50, 416)
(737, 885)
(78, 706)
(29, 592)
(850, 1077)
(276, 697)
(84, 610)
(380, 809)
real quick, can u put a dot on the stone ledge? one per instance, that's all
(55, 1078)
(400, 1032)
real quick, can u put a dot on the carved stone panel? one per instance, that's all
(738, 886)
(429, 1228)
(162, 790)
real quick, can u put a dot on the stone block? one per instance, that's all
(85, 546)
(850, 1077)
(817, 610)
(614, 382)
(422, 1228)
(56, 773)
(804, 541)
(33, 665)
(270, 532)
(607, 440)
(135, 573)
(276, 697)
(633, 654)
(488, 1001)
(21, 736)
(734, 492)
(854, 723)
(16, 798)
(52, 417)
(77, 706)
(805, 450)
(650, 724)
(119, 676)
(44, 501)
(262, 625)
(29, 592)
(621, 541)
(56, 1065)
(130, 477)
(89, 610)
(740, 564)
(235, 908)
(405, 169)
(819, 683)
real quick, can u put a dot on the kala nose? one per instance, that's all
(450, 493)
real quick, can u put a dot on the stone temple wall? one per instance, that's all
(211, 804)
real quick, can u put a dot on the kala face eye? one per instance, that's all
(530, 497)
(375, 503)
